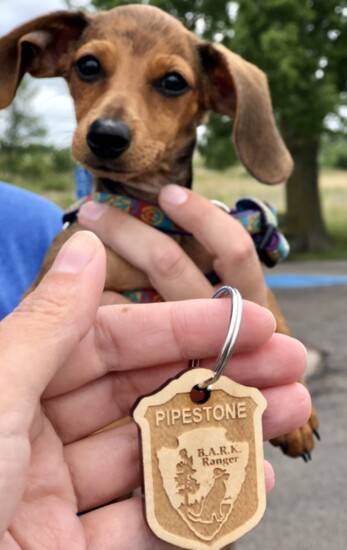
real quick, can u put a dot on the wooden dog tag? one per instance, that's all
(203, 462)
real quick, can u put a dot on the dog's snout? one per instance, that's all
(108, 139)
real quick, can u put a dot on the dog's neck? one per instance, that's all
(147, 186)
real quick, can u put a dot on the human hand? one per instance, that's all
(69, 368)
(171, 272)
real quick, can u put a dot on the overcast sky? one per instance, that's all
(52, 101)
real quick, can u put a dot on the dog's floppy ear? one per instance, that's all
(239, 89)
(36, 47)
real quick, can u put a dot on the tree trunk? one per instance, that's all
(305, 225)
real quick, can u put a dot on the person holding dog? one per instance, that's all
(70, 366)
(29, 224)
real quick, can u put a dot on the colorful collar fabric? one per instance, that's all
(260, 220)
(147, 212)
(257, 217)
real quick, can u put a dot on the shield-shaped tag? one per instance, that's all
(203, 463)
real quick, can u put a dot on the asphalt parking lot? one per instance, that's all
(308, 508)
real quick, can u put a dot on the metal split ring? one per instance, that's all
(230, 340)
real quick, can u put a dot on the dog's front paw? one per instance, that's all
(300, 442)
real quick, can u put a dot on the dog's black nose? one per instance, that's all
(108, 139)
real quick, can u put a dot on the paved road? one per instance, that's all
(308, 508)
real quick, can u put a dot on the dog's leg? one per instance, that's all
(300, 442)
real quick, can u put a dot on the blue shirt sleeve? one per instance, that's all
(28, 224)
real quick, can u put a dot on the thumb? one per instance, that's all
(37, 338)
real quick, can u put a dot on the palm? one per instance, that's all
(46, 516)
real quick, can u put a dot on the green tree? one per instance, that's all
(20, 127)
(214, 13)
(301, 46)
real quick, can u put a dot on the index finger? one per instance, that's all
(235, 258)
(127, 337)
(169, 269)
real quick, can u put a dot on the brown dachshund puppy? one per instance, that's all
(141, 85)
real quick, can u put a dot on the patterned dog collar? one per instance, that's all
(145, 211)
(260, 220)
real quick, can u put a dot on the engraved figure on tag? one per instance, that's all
(203, 463)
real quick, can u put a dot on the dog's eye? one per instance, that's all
(88, 68)
(172, 84)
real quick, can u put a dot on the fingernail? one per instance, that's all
(174, 194)
(91, 211)
(76, 253)
(268, 311)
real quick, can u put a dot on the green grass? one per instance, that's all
(227, 186)
(234, 183)
(59, 188)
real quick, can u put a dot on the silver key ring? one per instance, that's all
(230, 340)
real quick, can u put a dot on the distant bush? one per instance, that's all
(215, 146)
(62, 160)
(36, 162)
(334, 151)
